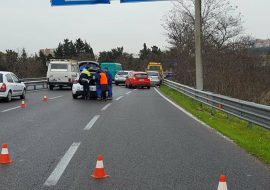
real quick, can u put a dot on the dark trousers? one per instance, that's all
(110, 90)
(104, 89)
(86, 89)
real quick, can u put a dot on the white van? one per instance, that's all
(62, 72)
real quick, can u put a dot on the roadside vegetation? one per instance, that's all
(255, 140)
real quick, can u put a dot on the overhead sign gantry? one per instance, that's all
(91, 2)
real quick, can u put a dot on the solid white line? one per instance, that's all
(61, 166)
(192, 116)
(92, 122)
(128, 92)
(55, 97)
(105, 107)
(119, 98)
(10, 109)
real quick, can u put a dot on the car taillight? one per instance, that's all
(3, 87)
(134, 78)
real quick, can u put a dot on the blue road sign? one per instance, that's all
(78, 2)
(139, 1)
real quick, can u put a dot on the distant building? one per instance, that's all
(47, 51)
(262, 43)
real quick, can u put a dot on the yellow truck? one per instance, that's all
(153, 66)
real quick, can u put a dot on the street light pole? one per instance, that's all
(198, 45)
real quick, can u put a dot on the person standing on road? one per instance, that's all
(98, 88)
(84, 80)
(109, 77)
(103, 84)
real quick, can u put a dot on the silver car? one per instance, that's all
(120, 77)
(154, 77)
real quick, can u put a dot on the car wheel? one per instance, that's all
(9, 97)
(148, 87)
(75, 96)
(23, 94)
(51, 87)
(116, 84)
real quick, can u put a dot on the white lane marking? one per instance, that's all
(119, 98)
(61, 166)
(192, 116)
(128, 92)
(55, 97)
(105, 107)
(10, 109)
(92, 122)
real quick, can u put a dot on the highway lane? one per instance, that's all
(39, 135)
(146, 143)
(149, 144)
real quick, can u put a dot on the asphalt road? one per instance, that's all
(146, 143)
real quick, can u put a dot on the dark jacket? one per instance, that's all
(109, 77)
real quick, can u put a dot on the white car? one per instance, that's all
(11, 86)
(77, 88)
(120, 77)
(155, 78)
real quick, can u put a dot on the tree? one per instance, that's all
(221, 24)
(24, 55)
(144, 53)
(89, 51)
(80, 46)
(59, 53)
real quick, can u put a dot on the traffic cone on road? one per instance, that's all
(4, 156)
(23, 105)
(45, 99)
(99, 172)
(222, 185)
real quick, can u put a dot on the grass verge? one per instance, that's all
(255, 140)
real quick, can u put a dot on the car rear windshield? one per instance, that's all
(122, 73)
(152, 74)
(141, 76)
(1, 78)
(154, 68)
(59, 67)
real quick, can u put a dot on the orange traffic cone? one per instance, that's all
(222, 185)
(45, 99)
(23, 105)
(4, 156)
(99, 172)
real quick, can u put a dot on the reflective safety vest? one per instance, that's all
(103, 78)
(85, 71)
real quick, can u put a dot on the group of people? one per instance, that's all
(102, 79)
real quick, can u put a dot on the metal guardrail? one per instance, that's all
(249, 111)
(36, 83)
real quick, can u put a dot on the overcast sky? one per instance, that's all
(34, 24)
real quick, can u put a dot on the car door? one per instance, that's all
(128, 79)
(18, 85)
(10, 84)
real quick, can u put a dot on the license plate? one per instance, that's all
(92, 88)
(141, 80)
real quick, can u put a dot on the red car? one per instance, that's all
(137, 79)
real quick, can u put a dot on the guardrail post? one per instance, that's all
(213, 111)
(250, 124)
(229, 116)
